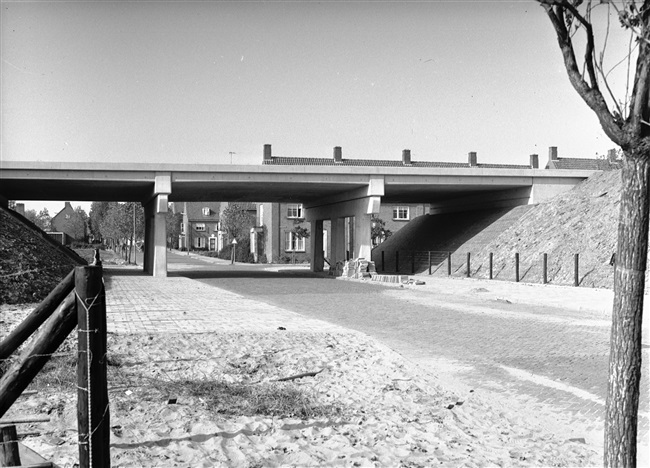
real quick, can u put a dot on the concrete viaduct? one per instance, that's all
(327, 192)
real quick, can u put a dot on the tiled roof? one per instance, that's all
(286, 161)
(195, 211)
(583, 163)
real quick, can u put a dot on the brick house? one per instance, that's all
(397, 215)
(200, 226)
(277, 222)
(68, 225)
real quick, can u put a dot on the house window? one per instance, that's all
(401, 213)
(183, 228)
(293, 243)
(294, 211)
(199, 226)
(200, 242)
(206, 211)
(67, 216)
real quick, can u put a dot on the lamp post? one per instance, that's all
(234, 250)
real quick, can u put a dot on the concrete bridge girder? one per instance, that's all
(327, 192)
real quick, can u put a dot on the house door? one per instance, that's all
(213, 243)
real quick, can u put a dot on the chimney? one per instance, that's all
(20, 208)
(552, 153)
(406, 157)
(267, 152)
(68, 205)
(471, 158)
(534, 161)
(338, 155)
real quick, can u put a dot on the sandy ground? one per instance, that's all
(366, 406)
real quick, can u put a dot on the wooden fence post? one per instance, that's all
(412, 262)
(516, 268)
(429, 262)
(382, 261)
(93, 417)
(9, 454)
(545, 268)
(576, 276)
(468, 264)
(448, 263)
(396, 261)
(491, 264)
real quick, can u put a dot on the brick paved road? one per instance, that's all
(528, 352)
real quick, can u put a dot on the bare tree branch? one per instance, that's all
(591, 95)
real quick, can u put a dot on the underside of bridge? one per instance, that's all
(327, 193)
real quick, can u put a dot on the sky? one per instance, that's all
(210, 82)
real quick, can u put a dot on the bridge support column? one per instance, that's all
(317, 255)
(155, 212)
(337, 234)
(361, 209)
(363, 236)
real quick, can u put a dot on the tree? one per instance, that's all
(81, 222)
(173, 221)
(299, 232)
(97, 213)
(626, 122)
(118, 224)
(236, 221)
(379, 233)
(42, 219)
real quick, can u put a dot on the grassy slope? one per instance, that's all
(582, 220)
(30, 267)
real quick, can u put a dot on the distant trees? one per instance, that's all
(123, 223)
(42, 219)
(97, 213)
(173, 222)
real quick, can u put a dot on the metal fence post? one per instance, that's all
(412, 262)
(429, 262)
(491, 264)
(382, 261)
(396, 261)
(545, 268)
(448, 263)
(468, 264)
(516, 267)
(576, 276)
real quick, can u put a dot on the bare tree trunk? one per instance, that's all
(629, 285)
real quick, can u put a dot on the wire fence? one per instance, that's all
(533, 268)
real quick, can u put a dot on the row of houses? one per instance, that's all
(273, 233)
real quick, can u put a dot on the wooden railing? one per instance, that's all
(77, 301)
